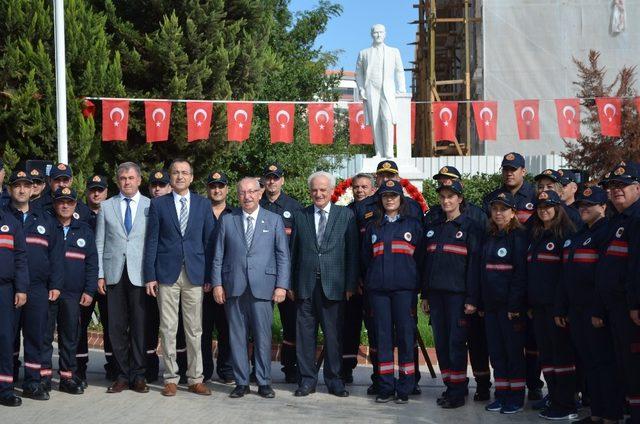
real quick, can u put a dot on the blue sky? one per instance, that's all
(350, 31)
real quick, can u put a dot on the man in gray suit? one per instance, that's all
(324, 257)
(120, 234)
(250, 270)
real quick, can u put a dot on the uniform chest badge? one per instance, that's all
(459, 234)
(529, 206)
(502, 252)
(286, 214)
(619, 232)
(81, 242)
(373, 238)
(76, 215)
(41, 229)
(368, 215)
(587, 241)
(4, 228)
(567, 243)
(430, 233)
(550, 246)
(407, 236)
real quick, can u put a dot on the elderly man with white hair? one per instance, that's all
(324, 262)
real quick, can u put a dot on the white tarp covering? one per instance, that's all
(528, 46)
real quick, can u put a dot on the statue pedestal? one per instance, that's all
(406, 164)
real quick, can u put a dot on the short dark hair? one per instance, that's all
(181, 160)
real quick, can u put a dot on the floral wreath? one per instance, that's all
(343, 193)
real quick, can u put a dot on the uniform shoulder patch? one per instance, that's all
(368, 215)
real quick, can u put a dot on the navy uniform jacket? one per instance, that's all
(45, 202)
(45, 248)
(617, 272)
(285, 206)
(391, 255)
(503, 271)
(5, 198)
(13, 253)
(80, 260)
(524, 197)
(452, 258)
(579, 263)
(366, 211)
(474, 212)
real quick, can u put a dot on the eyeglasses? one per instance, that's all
(248, 192)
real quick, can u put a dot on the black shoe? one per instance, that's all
(482, 395)
(372, 390)
(347, 378)
(384, 398)
(35, 393)
(402, 399)
(239, 392)
(11, 400)
(83, 383)
(340, 392)
(228, 380)
(535, 394)
(304, 391)
(252, 377)
(71, 387)
(417, 391)
(150, 377)
(183, 379)
(452, 403)
(46, 385)
(266, 392)
(291, 377)
(442, 398)
(587, 420)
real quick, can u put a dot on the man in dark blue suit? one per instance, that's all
(177, 266)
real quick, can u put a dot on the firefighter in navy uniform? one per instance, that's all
(391, 254)
(14, 283)
(575, 304)
(366, 212)
(39, 182)
(80, 285)
(616, 279)
(550, 179)
(276, 201)
(450, 288)
(44, 251)
(97, 192)
(478, 350)
(513, 173)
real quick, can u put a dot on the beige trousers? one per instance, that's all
(168, 302)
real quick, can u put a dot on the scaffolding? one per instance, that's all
(446, 68)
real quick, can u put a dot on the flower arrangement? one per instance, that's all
(343, 193)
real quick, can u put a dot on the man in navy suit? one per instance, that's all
(177, 264)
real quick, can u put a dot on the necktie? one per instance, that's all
(248, 234)
(322, 224)
(128, 223)
(184, 214)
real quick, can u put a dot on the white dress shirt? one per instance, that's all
(253, 215)
(133, 205)
(316, 215)
(178, 204)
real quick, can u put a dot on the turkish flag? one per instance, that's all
(115, 119)
(199, 115)
(637, 102)
(528, 119)
(239, 116)
(157, 116)
(445, 118)
(610, 115)
(359, 133)
(281, 117)
(320, 123)
(486, 117)
(568, 112)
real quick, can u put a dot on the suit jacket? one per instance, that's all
(263, 266)
(392, 81)
(115, 247)
(165, 247)
(336, 257)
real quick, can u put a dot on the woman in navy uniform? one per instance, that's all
(450, 288)
(503, 282)
(550, 226)
(80, 286)
(575, 303)
(391, 249)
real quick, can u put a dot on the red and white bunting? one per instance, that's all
(320, 123)
(444, 120)
(528, 119)
(568, 113)
(199, 115)
(115, 120)
(486, 117)
(281, 121)
(359, 132)
(158, 117)
(239, 117)
(610, 116)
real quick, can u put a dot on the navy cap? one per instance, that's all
(217, 177)
(97, 181)
(552, 174)
(513, 160)
(390, 186)
(65, 193)
(454, 185)
(566, 177)
(159, 176)
(623, 173)
(387, 166)
(273, 169)
(504, 197)
(60, 170)
(548, 197)
(36, 175)
(592, 195)
(447, 172)
(19, 175)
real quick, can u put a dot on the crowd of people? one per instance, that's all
(540, 279)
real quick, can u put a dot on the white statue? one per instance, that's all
(380, 76)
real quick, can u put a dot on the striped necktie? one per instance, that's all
(248, 234)
(322, 225)
(184, 215)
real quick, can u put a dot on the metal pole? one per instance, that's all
(61, 80)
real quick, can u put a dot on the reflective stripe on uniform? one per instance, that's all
(74, 255)
(45, 372)
(502, 384)
(455, 248)
(32, 365)
(618, 248)
(517, 384)
(499, 267)
(585, 256)
(402, 247)
(431, 247)
(546, 257)
(567, 369)
(385, 368)
(408, 369)
(66, 374)
(523, 216)
(37, 240)
(6, 240)
(458, 376)
(6, 378)
(378, 249)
